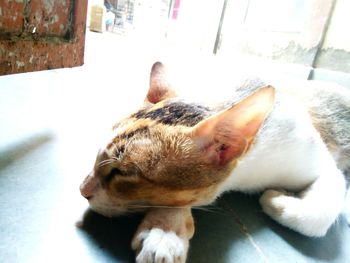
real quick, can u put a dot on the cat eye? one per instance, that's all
(116, 171)
(113, 172)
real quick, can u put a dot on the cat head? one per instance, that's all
(172, 153)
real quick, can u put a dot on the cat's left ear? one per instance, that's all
(227, 135)
(159, 87)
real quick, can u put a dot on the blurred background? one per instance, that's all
(306, 38)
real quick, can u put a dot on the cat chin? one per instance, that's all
(109, 212)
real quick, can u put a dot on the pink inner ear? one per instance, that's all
(154, 97)
(158, 94)
(221, 152)
(225, 136)
(228, 153)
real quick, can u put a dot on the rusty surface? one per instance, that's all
(11, 16)
(50, 17)
(50, 34)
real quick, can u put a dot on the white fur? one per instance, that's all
(288, 153)
(159, 246)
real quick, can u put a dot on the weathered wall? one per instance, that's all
(335, 51)
(312, 33)
(41, 34)
(287, 30)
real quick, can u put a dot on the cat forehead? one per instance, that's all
(123, 136)
(173, 112)
(118, 148)
(161, 119)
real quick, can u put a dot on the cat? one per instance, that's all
(290, 143)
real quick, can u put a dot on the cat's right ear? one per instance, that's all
(227, 135)
(159, 86)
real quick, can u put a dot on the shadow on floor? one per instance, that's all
(23, 147)
(224, 232)
(327, 248)
(112, 235)
(217, 233)
(247, 209)
(233, 230)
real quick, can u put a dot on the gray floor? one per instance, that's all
(50, 125)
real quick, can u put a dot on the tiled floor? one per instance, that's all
(50, 125)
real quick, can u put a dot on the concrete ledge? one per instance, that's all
(329, 75)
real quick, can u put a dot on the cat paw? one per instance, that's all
(274, 202)
(158, 246)
(294, 213)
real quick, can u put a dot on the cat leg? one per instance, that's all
(314, 210)
(163, 236)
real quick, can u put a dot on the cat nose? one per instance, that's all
(85, 193)
(88, 187)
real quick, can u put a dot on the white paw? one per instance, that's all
(295, 213)
(274, 203)
(157, 246)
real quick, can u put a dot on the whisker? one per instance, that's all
(102, 162)
(158, 206)
(205, 209)
(217, 210)
(107, 161)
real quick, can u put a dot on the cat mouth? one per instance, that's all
(116, 209)
(105, 207)
(109, 211)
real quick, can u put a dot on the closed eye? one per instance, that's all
(116, 171)
(113, 172)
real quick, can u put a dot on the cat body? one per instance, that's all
(290, 141)
(290, 153)
(297, 139)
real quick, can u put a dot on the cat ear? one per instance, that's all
(228, 134)
(160, 87)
